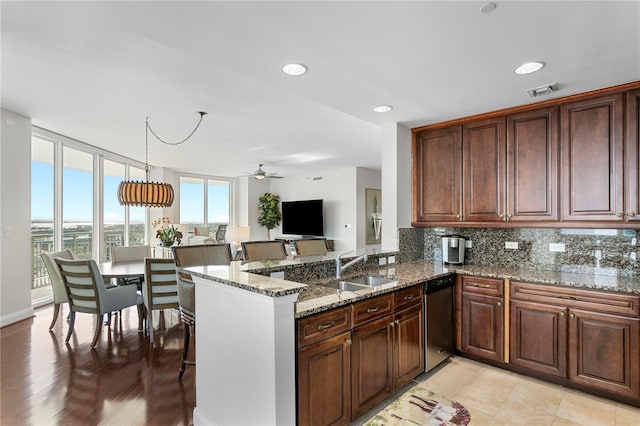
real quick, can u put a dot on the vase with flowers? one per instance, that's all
(166, 232)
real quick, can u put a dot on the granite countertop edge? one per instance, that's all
(411, 273)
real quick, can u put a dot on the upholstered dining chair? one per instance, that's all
(263, 250)
(57, 285)
(311, 246)
(160, 290)
(221, 233)
(122, 254)
(87, 293)
(185, 256)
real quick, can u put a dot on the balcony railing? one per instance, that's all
(79, 242)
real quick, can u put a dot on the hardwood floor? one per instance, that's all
(124, 381)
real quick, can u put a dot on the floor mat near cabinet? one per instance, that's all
(420, 406)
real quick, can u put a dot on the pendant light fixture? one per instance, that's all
(150, 194)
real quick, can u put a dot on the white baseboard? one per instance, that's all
(16, 316)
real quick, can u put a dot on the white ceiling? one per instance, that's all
(94, 70)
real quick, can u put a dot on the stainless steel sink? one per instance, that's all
(368, 280)
(344, 286)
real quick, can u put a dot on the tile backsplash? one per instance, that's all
(601, 251)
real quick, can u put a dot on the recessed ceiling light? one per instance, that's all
(488, 8)
(294, 69)
(383, 108)
(529, 67)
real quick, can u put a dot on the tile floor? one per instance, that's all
(498, 397)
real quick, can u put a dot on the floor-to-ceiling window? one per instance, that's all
(205, 201)
(74, 203)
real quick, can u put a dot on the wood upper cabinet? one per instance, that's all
(532, 165)
(483, 171)
(592, 159)
(538, 335)
(604, 352)
(437, 175)
(632, 156)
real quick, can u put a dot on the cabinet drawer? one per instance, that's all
(408, 296)
(321, 326)
(368, 310)
(486, 286)
(600, 301)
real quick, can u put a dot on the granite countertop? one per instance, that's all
(316, 298)
(232, 275)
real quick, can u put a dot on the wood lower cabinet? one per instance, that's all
(351, 358)
(587, 337)
(482, 317)
(538, 335)
(372, 366)
(604, 352)
(324, 382)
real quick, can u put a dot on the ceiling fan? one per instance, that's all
(261, 174)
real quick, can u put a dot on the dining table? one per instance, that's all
(125, 270)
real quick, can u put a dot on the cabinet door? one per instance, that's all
(538, 337)
(324, 382)
(604, 352)
(371, 364)
(532, 165)
(632, 156)
(483, 172)
(592, 162)
(483, 326)
(408, 354)
(437, 162)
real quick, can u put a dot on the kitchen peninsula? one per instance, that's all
(246, 350)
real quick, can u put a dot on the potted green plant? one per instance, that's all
(167, 234)
(269, 207)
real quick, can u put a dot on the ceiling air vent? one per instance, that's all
(542, 90)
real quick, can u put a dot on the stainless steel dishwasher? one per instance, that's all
(438, 327)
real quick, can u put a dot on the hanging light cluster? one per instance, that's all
(145, 193)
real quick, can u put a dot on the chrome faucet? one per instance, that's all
(340, 267)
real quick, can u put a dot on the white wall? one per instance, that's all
(338, 190)
(249, 190)
(366, 178)
(396, 182)
(15, 218)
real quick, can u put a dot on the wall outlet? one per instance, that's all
(511, 245)
(279, 275)
(556, 247)
(392, 259)
(382, 261)
(468, 244)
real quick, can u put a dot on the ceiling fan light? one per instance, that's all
(259, 177)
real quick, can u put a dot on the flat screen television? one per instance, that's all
(303, 218)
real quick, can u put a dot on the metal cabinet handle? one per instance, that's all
(499, 303)
(572, 316)
(409, 297)
(481, 285)
(397, 322)
(348, 341)
(374, 309)
(392, 324)
(620, 214)
(631, 214)
(326, 325)
(562, 313)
